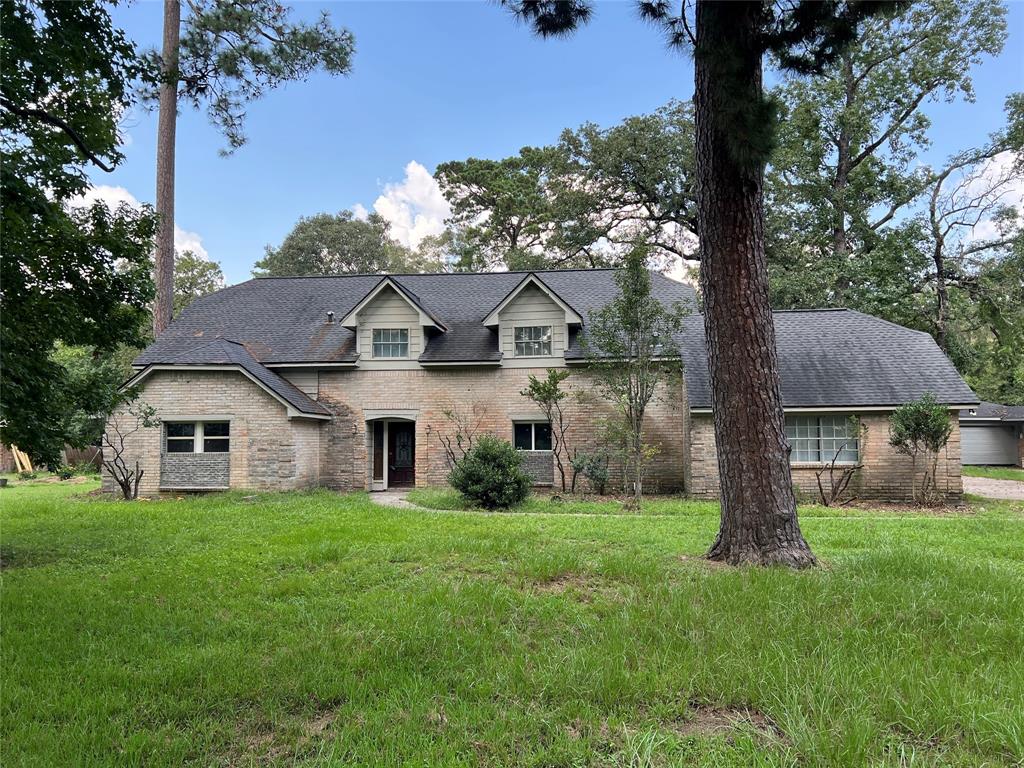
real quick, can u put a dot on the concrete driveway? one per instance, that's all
(994, 489)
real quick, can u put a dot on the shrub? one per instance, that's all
(920, 430)
(65, 471)
(491, 475)
(594, 467)
(26, 475)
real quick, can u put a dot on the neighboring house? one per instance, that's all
(352, 382)
(991, 433)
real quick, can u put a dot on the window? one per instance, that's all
(390, 342)
(197, 436)
(180, 437)
(532, 436)
(533, 341)
(815, 439)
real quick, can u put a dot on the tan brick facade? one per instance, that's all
(272, 452)
(886, 474)
(492, 396)
(267, 450)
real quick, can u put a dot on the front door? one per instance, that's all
(401, 453)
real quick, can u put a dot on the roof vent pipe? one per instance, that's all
(330, 318)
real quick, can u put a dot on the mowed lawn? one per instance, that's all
(318, 629)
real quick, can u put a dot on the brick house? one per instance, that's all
(352, 382)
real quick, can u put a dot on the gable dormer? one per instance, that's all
(533, 324)
(391, 325)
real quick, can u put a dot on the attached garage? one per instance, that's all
(992, 434)
(988, 444)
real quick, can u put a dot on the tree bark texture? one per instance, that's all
(758, 519)
(163, 307)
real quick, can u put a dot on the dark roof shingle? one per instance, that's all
(828, 358)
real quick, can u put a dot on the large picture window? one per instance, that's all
(197, 436)
(817, 438)
(533, 341)
(390, 342)
(532, 436)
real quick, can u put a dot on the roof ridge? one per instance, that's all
(436, 274)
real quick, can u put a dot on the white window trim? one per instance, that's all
(408, 343)
(533, 436)
(198, 437)
(551, 341)
(824, 462)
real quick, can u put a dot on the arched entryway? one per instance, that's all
(392, 449)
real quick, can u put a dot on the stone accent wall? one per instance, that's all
(886, 475)
(268, 450)
(540, 465)
(192, 471)
(492, 398)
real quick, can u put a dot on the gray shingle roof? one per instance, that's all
(230, 353)
(994, 411)
(828, 358)
(838, 357)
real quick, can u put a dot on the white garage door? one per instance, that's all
(988, 445)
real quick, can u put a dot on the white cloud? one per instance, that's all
(360, 212)
(998, 173)
(414, 207)
(184, 240)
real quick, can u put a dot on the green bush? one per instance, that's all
(594, 467)
(491, 475)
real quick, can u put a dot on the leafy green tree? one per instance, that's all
(970, 192)
(91, 381)
(585, 201)
(230, 53)
(548, 395)
(736, 132)
(71, 274)
(501, 207)
(847, 168)
(194, 276)
(920, 430)
(631, 351)
(334, 244)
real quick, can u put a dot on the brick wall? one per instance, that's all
(267, 451)
(493, 395)
(886, 474)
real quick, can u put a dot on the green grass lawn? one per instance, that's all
(996, 473)
(317, 629)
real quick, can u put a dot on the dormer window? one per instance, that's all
(390, 342)
(533, 341)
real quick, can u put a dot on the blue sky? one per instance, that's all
(432, 82)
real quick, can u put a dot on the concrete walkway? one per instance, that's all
(994, 489)
(397, 499)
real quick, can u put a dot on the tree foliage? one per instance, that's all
(194, 276)
(631, 351)
(920, 430)
(72, 274)
(335, 244)
(584, 201)
(549, 395)
(856, 218)
(233, 51)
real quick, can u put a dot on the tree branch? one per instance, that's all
(45, 117)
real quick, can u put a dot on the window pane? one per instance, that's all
(215, 429)
(542, 437)
(523, 437)
(180, 445)
(216, 445)
(390, 342)
(532, 341)
(180, 429)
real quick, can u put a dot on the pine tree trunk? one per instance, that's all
(758, 521)
(163, 307)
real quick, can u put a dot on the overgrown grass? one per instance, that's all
(315, 629)
(995, 473)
